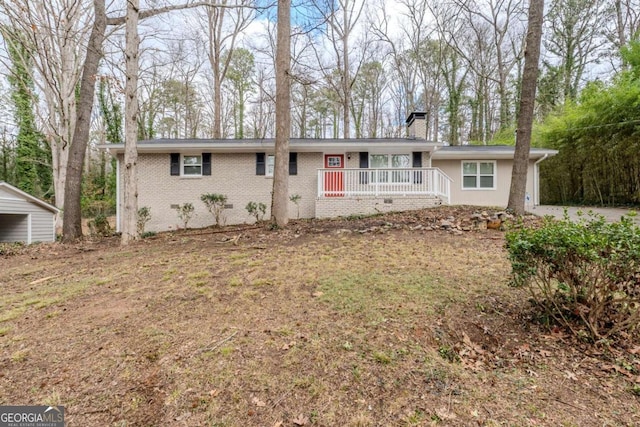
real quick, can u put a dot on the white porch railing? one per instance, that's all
(384, 182)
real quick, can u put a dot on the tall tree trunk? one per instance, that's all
(346, 76)
(132, 46)
(72, 224)
(216, 17)
(622, 39)
(241, 102)
(527, 100)
(280, 198)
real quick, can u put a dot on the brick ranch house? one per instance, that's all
(333, 177)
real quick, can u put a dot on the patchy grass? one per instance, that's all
(379, 326)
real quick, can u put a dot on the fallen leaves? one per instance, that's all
(445, 414)
(259, 403)
(300, 420)
(288, 345)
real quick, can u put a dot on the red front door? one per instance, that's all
(334, 180)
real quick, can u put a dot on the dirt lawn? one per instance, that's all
(385, 321)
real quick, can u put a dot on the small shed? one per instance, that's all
(24, 218)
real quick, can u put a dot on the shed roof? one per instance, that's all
(28, 197)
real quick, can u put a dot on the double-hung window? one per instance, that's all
(271, 164)
(265, 164)
(478, 175)
(191, 165)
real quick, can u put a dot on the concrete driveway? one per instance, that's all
(611, 214)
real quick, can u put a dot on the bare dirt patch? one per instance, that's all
(364, 322)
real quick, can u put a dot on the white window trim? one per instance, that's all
(268, 156)
(373, 181)
(478, 188)
(182, 174)
(389, 159)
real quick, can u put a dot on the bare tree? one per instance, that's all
(223, 26)
(262, 114)
(72, 227)
(366, 101)
(52, 31)
(496, 22)
(280, 196)
(574, 38)
(527, 101)
(130, 193)
(241, 84)
(626, 21)
(341, 17)
(94, 53)
(404, 67)
(424, 51)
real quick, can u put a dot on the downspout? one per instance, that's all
(117, 194)
(536, 180)
(431, 153)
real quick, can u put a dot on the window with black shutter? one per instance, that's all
(293, 163)
(260, 163)
(364, 164)
(265, 164)
(206, 163)
(417, 163)
(175, 164)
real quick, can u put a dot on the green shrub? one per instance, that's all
(100, 226)
(185, 213)
(143, 217)
(257, 210)
(584, 274)
(215, 204)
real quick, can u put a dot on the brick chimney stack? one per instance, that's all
(417, 125)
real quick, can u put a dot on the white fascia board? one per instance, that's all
(487, 155)
(269, 146)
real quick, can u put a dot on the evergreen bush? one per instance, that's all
(584, 274)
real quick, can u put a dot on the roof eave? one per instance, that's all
(301, 147)
(488, 155)
(29, 197)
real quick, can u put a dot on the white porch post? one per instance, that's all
(117, 194)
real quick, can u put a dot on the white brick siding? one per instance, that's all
(332, 207)
(233, 175)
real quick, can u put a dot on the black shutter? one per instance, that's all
(364, 159)
(364, 164)
(293, 163)
(175, 164)
(260, 164)
(206, 163)
(417, 159)
(417, 163)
